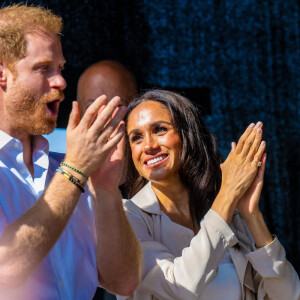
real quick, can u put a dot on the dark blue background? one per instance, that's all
(239, 58)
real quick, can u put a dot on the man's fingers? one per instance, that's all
(116, 129)
(74, 116)
(118, 99)
(113, 124)
(105, 117)
(92, 112)
(119, 150)
(113, 142)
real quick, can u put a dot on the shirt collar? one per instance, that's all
(4, 139)
(11, 147)
(38, 141)
(146, 200)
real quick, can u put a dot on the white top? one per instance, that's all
(69, 271)
(226, 285)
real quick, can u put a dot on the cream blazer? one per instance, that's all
(179, 265)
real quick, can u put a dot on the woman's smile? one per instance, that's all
(156, 161)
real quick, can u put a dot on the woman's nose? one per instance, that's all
(150, 143)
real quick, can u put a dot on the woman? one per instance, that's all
(184, 211)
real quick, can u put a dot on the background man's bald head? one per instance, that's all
(106, 77)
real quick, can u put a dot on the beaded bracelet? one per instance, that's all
(74, 169)
(72, 178)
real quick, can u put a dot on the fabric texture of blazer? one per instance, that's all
(180, 265)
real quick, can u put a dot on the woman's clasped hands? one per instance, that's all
(242, 175)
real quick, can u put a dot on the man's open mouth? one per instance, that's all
(53, 107)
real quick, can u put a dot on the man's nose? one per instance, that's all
(58, 82)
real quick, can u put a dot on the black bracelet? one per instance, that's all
(72, 178)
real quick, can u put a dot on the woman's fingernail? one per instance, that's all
(251, 125)
(259, 131)
(258, 124)
(262, 143)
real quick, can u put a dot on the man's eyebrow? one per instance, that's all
(151, 125)
(41, 61)
(46, 60)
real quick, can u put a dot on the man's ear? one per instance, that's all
(3, 77)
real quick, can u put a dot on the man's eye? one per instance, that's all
(44, 67)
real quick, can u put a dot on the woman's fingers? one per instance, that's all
(233, 146)
(258, 156)
(262, 168)
(252, 146)
(243, 138)
(248, 138)
(249, 143)
(252, 142)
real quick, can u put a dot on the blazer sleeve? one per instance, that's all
(185, 277)
(276, 279)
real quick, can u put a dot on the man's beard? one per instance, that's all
(28, 112)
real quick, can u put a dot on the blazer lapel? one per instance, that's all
(146, 200)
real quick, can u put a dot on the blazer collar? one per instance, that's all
(146, 200)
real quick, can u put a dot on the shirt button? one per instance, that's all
(23, 171)
(16, 145)
(62, 283)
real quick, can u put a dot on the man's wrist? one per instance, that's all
(81, 175)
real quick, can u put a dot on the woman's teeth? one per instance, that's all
(154, 160)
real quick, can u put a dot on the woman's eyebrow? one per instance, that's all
(151, 125)
(133, 131)
(160, 122)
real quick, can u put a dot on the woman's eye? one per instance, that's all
(135, 138)
(160, 129)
